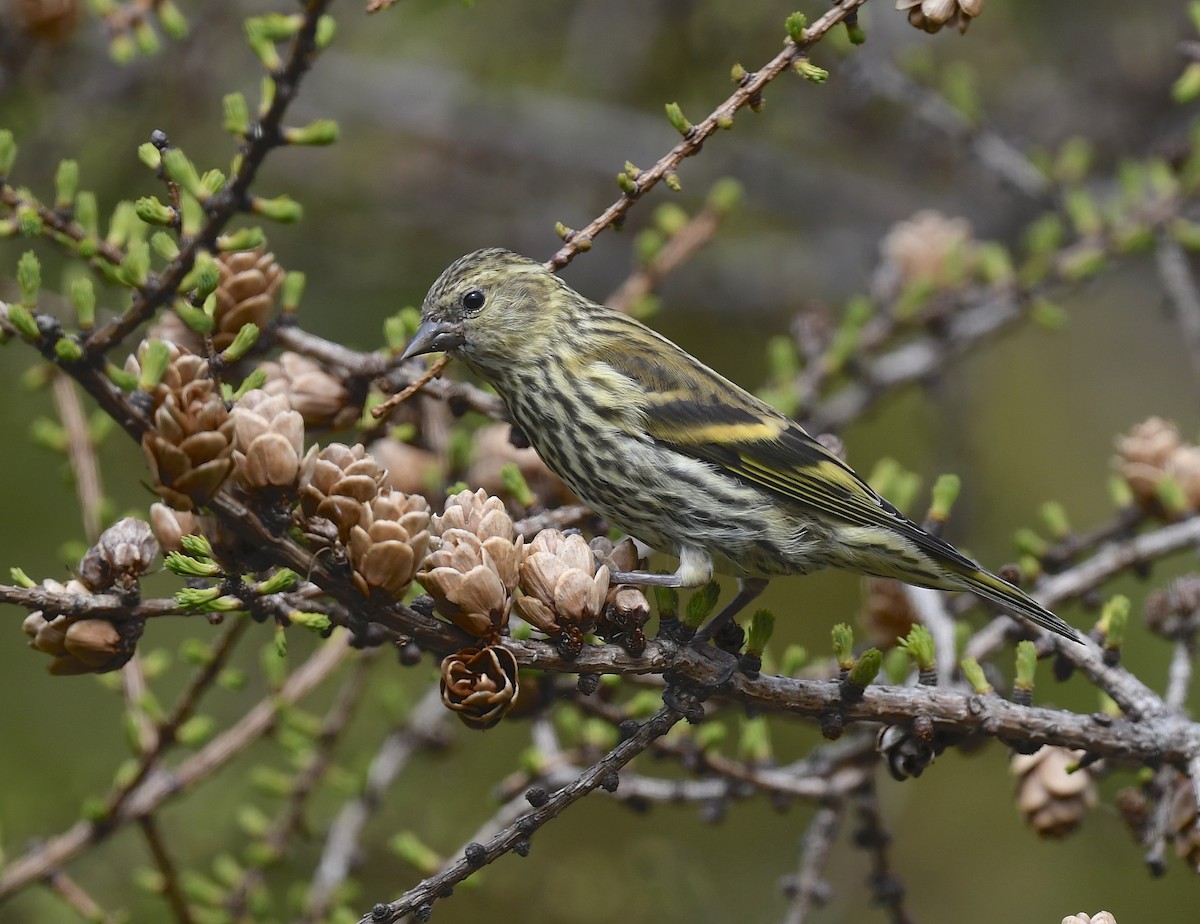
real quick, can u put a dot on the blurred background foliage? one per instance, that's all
(465, 127)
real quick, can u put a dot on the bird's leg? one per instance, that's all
(748, 589)
(695, 568)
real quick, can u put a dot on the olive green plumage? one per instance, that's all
(669, 450)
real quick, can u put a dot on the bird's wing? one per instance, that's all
(695, 411)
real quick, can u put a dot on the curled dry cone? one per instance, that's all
(123, 553)
(480, 685)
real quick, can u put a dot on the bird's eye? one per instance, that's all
(473, 301)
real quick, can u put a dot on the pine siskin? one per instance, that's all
(670, 451)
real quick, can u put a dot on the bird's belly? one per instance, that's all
(669, 500)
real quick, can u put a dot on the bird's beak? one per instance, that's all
(433, 337)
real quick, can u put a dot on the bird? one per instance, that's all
(673, 453)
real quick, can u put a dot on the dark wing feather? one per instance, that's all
(695, 411)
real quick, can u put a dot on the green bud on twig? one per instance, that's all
(171, 20)
(1047, 314)
(627, 183)
(754, 742)
(8, 152)
(701, 603)
(810, 71)
(164, 245)
(119, 377)
(154, 363)
(29, 278)
(855, 32)
(246, 337)
(1187, 87)
(237, 114)
(1171, 495)
(283, 209)
(241, 239)
(796, 25)
(671, 178)
(68, 350)
(66, 184)
(945, 493)
(1030, 543)
(291, 291)
(255, 379)
(135, 268)
(319, 132)
(178, 168)
(83, 297)
(186, 566)
(762, 625)
(149, 155)
(21, 579)
(1026, 666)
(919, 645)
(86, 212)
(413, 851)
(1114, 621)
(866, 667)
(515, 484)
(667, 601)
(204, 276)
(29, 222)
(1054, 516)
(282, 580)
(153, 212)
(793, 660)
(326, 29)
(843, 645)
(677, 119)
(975, 676)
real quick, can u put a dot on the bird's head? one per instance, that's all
(491, 308)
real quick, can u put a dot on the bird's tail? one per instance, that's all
(999, 591)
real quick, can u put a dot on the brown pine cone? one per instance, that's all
(1053, 801)
(337, 482)
(389, 542)
(480, 685)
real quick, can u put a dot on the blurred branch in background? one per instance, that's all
(333, 547)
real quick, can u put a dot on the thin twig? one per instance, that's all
(808, 887)
(1179, 283)
(423, 728)
(263, 137)
(421, 381)
(79, 900)
(747, 92)
(674, 253)
(166, 785)
(166, 868)
(291, 818)
(519, 832)
(80, 452)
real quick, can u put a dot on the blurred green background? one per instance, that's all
(467, 127)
